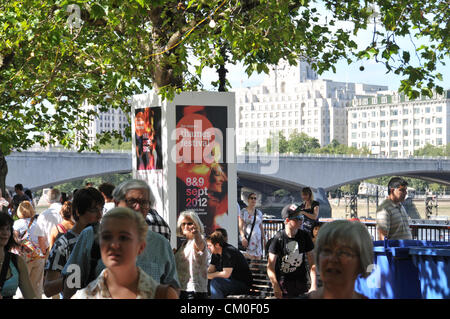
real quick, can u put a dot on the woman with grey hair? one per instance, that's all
(343, 250)
(192, 257)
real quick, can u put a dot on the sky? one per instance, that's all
(373, 73)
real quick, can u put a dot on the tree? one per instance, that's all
(431, 150)
(54, 56)
(277, 143)
(336, 148)
(300, 143)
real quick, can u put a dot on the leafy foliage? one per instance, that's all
(50, 66)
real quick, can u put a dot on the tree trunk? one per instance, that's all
(222, 71)
(3, 173)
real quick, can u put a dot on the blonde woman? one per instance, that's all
(31, 250)
(192, 257)
(122, 238)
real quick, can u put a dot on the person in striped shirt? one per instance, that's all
(392, 219)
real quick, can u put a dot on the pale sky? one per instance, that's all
(374, 73)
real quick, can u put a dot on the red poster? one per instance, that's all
(148, 138)
(201, 172)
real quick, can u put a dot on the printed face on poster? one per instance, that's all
(202, 182)
(148, 152)
(148, 138)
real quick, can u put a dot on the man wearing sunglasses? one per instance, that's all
(286, 266)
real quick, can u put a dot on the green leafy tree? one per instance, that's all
(351, 189)
(336, 148)
(116, 144)
(283, 144)
(431, 150)
(300, 143)
(277, 143)
(52, 60)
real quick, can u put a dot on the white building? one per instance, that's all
(113, 119)
(293, 98)
(391, 125)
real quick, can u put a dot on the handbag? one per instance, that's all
(240, 246)
(27, 248)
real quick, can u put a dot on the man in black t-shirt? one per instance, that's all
(286, 265)
(229, 274)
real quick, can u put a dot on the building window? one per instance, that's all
(439, 130)
(427, 131)
(416, 131)
(439, 141)
(439, 120)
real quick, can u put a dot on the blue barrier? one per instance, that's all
(394, 275)
(433, 266)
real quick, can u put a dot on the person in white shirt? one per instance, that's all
(25, 228)
(107, 189)
(49, 218)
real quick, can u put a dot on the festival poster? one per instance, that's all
(148, 154)
(201, 169)
(148, 138)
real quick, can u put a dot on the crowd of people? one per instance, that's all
(109, 243)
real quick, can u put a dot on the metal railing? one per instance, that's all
(430, 232)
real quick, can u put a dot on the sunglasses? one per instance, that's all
(188, 224)
(252, 198)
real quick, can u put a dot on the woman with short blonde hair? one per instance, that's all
(192, 257)
(25, 210)
(195, 219)
(30, 250)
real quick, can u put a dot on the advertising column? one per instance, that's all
(184, 150)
